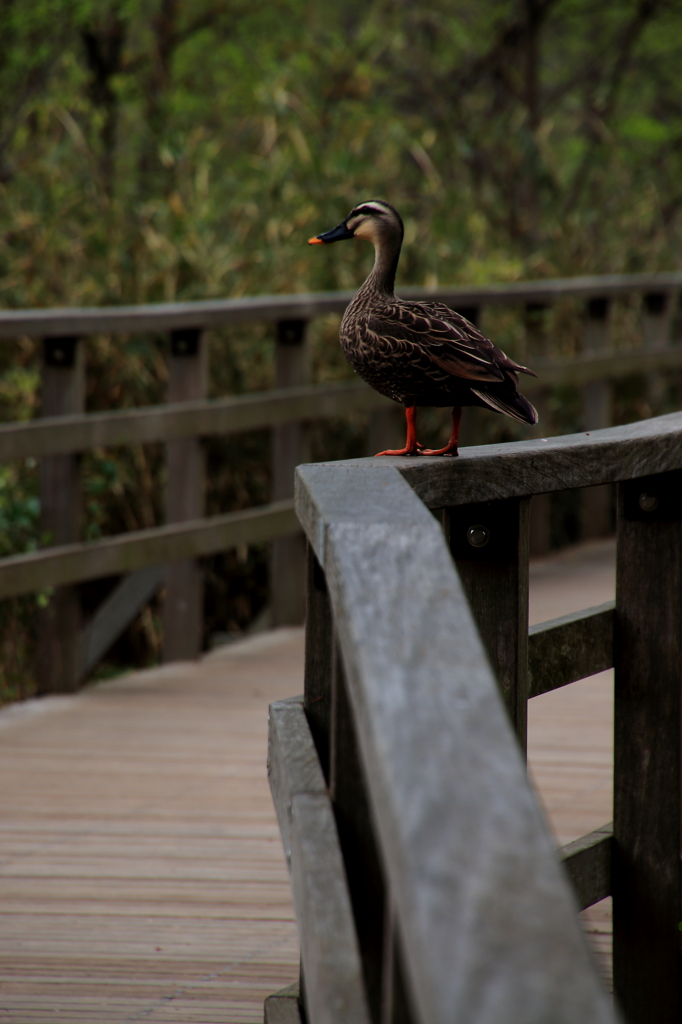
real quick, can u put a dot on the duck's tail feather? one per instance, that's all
(518, 407)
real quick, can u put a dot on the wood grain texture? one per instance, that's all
(577, 645)
(466, 913)
(332, 966)
(21, 574)
(496, 471)
(647, 875)
(142, 874)
(319, 653)
(168, 316)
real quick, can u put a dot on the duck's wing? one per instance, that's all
(449, 344)
(442, 312)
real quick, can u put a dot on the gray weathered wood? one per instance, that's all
(319, 653)
(289, 448)
(560, 651)
(647, 873)
(115, 614)
(362, 863)
(543, 465)
(332, 968)
(587, 862)
(73, 563)
(483, 909)
(495, 579)
(65, 434)
(59, 623)
(167, 316)
(183, 604)
(283, 1007)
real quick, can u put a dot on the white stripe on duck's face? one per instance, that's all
(368, 219)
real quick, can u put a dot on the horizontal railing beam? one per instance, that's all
(588, 864)
(58, 435)
(166, 316)
(572, 647)
(112, 556)
(496, 471)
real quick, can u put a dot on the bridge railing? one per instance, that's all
(168, 554)
(425, 883)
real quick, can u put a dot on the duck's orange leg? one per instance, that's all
(451, 446)
(412, 446)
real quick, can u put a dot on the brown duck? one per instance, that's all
(419, 353)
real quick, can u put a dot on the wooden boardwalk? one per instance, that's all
(141, 873)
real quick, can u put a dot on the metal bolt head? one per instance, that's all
(648, 502)
(478, 536)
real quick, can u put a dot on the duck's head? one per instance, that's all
(374, 220)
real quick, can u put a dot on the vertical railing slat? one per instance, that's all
(597, 403)
(646, 873)
(287, 567)
(63, 385)
(183, 604)
(489, 543)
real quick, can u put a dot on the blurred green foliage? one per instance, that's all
(160, 149)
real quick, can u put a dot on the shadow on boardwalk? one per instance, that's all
(142, 876)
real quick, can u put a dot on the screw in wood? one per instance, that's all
(648, 502)
(478, 536)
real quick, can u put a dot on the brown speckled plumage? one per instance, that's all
(419, 353)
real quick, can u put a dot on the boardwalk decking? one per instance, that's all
(141, 873)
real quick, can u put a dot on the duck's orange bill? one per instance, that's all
(315, 241)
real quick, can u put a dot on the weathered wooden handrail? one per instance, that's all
(66, 430)
(167, 316)
(391, 691)
(457, 896)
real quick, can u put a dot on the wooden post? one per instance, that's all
(536, 345)
(319, 647)
(656, 317)
(60, 500)
(597, 402)
(287, 566)
(183, 603)
(646, 872)
(489, 543)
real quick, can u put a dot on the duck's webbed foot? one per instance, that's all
(451, 446)
(412, 445)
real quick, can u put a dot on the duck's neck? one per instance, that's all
(386, 256)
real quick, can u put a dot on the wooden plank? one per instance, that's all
(166, 316)
(72, 563)
(479, 895)
(569, 648)
(587, 862)
(183, 602)
(332, 968)
(489, 543)
(289, 449)
(57, 435)
(319, 652)
(59, 622)
(496, 471)
(115, 615)
(283, 1007)
(647, 875)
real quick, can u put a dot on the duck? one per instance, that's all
(419, 353)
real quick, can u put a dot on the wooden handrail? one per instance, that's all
(167, 316)
(467, 896)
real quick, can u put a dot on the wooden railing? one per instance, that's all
(64, 430)
(425, 883)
